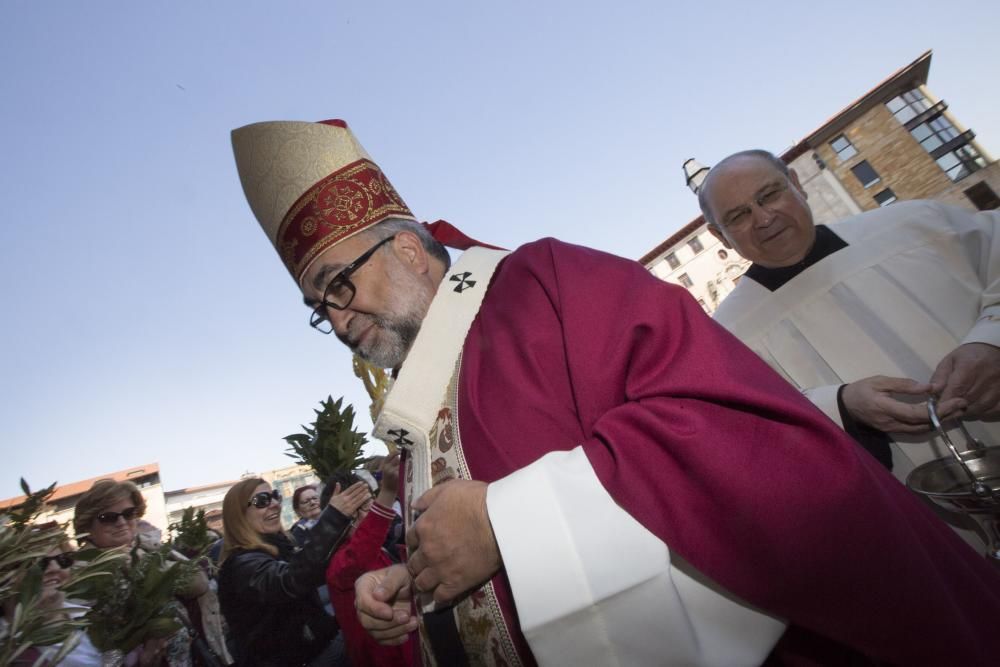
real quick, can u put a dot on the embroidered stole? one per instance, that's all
(421, 416)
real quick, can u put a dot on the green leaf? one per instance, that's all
(66, 647)
(30, 586)
(331, 443)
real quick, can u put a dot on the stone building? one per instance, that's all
(898, 141)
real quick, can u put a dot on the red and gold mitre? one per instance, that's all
(311, 185)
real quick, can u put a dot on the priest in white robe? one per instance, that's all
(870, 316)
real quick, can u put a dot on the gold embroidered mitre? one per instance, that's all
(311, 185)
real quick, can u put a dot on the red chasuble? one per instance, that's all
(696, 438)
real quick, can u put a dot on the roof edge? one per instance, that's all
(916, 72)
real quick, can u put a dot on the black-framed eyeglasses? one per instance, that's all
(764, 199)
(340, 290)
(64, 561)
(109, 518)
(263, 499)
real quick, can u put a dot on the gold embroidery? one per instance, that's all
(489, 641)
(482, 627)
(343, 203)
(444, 438)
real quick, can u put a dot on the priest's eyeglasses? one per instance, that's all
(339, 292)
(766, 197)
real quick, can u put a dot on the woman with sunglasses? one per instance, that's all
(267, 587)
(108, 515)
(55, 567)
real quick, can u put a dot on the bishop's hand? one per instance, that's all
(382, 599)
(452, 548)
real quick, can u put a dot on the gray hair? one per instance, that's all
(391, 226)
(755, 153)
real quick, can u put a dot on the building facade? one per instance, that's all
(286, 480)
(63, 501)
(698, 261)
(209, 497)
(164, 508)
(898, 141)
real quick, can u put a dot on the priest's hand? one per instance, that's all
(451, 545)
(871, 401)
(970, 373)
(382, 598)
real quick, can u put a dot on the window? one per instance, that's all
(673, 261)
(885, 197)
(695, 245)
(934, 133)
(685, 280)
(843, 148)
(865, 174)
(983, 197)
(723, 255)
(961, 162)
(908, 105)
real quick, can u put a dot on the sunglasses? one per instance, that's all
(263, 499)
(128, 514)
(62, 560)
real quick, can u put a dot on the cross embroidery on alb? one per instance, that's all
(400, 437)
(463, 281)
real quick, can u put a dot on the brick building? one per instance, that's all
(898, 141)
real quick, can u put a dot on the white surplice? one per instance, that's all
(916, 280)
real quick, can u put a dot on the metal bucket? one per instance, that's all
(967, 482)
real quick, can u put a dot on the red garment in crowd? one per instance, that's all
(694, 436)
(362, 553)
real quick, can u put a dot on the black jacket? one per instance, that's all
(274, 615)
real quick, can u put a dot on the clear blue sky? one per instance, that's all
(145, 316)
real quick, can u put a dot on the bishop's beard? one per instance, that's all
(396, 329)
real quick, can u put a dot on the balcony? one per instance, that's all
(927, 115)
(957, 142)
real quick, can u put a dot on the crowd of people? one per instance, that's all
(591, 471)
(259, 599)
(551, 389)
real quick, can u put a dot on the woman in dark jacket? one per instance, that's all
(267, 588)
